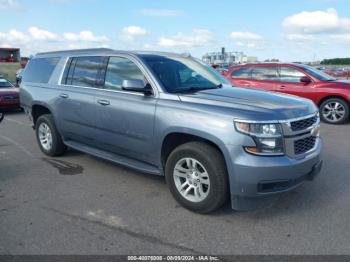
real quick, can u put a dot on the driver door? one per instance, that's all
(290, 83)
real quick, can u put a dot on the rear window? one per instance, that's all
(39, 70)
(4, 83)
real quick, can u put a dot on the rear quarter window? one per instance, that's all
(39, 70)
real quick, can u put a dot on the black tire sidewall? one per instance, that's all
(57, 144)
(2, 115)
(343, 102)
(210, 159)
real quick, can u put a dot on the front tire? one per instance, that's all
(334, 111)
(48, 137)
(197, 177)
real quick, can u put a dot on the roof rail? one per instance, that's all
(76, 51)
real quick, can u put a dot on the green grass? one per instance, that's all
(8, 70)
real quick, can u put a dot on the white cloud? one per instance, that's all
(245, 36)
(197, 38)
(37, 39)
(9, 4)
(84, 45)
(130, 33)
(40, 34)
(13, 37)
(299, 37)
(341, 39)
(316, 22)
(87, 36)
(247, 39)
(162, 12)
(322, 26)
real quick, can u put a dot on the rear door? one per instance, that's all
(290, 82)
(264, 77)
(75, 106)
(125, 119)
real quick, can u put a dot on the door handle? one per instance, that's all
(64, 95)
(282, 87)
(103, 102)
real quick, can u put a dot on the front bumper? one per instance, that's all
(5, 105)
(254, 179)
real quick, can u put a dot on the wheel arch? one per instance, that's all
(330, 97)
(39, 109)
(176, 138)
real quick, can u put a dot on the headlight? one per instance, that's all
(268, 137)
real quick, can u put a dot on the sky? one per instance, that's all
(290, 30)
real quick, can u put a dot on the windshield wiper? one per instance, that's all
(197, 89)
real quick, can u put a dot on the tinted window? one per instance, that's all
(265, 73)
(39, 70)
(120, 69)
(180, 74)
(290, 74)
(4, 83)
(84, 71)
(318, 74)
(243, 72)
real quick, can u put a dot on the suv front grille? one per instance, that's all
(303, 124)
(301, 146)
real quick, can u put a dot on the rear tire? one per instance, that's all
(334, 111)
(199, 169)
(48, 137)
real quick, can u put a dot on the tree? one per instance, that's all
(336, 61)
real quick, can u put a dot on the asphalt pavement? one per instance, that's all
(79, 204)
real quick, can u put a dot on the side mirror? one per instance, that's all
(305, 79)
(136, 86)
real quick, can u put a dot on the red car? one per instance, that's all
(9, 95)
(331, 95)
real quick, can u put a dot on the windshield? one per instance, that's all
(318, 74)
(181, 74)
(4, 83)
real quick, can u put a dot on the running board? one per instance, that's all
(121, 160)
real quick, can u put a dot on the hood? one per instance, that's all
(9, 91)
(341, 83)
(254, 104)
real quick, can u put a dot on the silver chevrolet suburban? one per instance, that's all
(173, 116)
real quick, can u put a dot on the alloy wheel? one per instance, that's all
(333, 111)
(45, 136)
(191, 179)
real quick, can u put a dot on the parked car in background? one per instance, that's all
(338, 72)
(173, 115)
(9, 95)
(330, 95)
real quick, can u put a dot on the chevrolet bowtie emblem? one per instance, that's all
(316, 131)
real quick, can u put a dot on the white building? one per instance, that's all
(225, 59)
